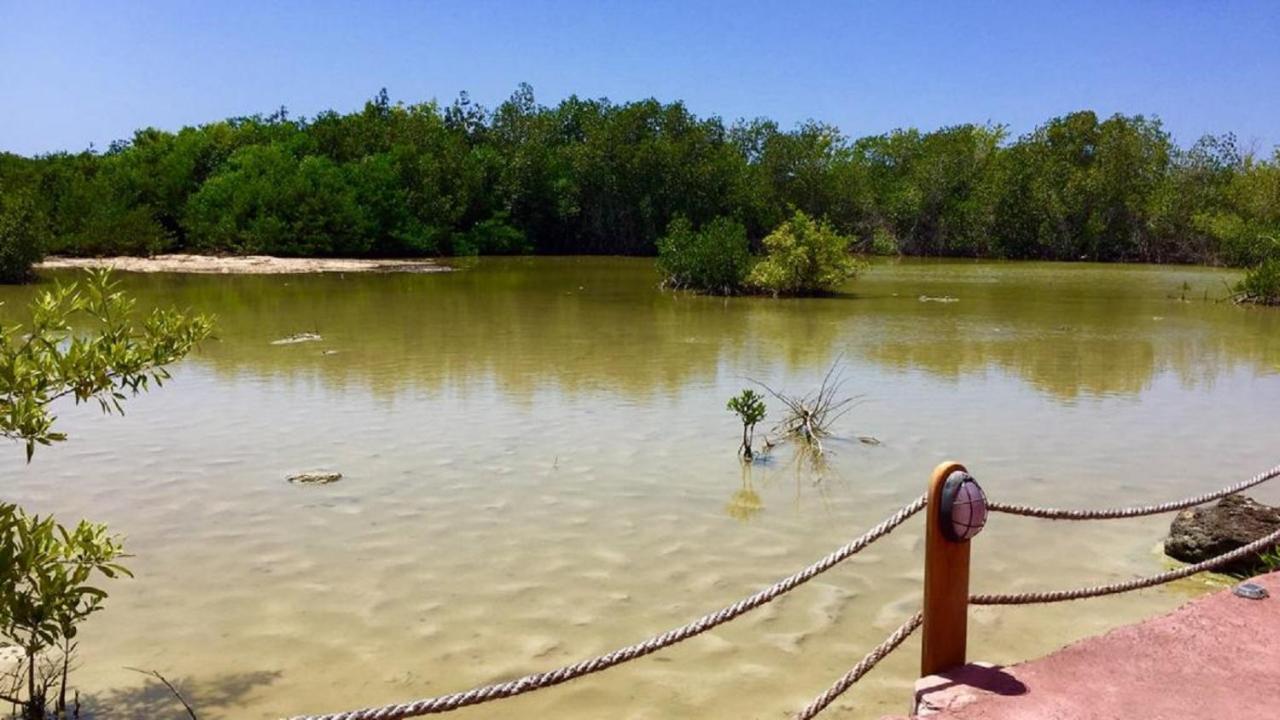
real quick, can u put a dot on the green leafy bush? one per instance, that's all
(714, 259)
(883, 242)
(49, 573)
(1262, 283)
(22, 238)
(804, 257)
(494, 236)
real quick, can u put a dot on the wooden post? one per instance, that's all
(946, 585)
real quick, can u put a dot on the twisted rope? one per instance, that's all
(892, 642)
(863, 667)
(537, 681)
(1052, 596)
(1131, 512)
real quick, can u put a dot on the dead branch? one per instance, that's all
(808, 418)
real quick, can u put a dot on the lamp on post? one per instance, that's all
(955, 512)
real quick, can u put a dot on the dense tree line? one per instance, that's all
(592, 176)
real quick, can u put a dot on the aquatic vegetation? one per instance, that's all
(713, 259)
(804, 256)
(1261, 285)
(810, 417)
(749, 407)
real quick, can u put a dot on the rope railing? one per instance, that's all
(864, 666)
(1132, 512)
(1052, 596)
(537, 681)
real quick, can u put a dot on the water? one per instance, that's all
(539, 467)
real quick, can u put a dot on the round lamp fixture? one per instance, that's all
(963, 510)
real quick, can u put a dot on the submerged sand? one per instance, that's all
(242, 265)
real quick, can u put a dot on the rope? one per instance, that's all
(1132, 512)
(892, 642)
(1253, 548)
(537, 681)
(870, 660)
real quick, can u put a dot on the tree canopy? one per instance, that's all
(594, 176)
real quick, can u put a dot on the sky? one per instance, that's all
(75, 74)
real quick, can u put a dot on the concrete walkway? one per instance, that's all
(1216, 658)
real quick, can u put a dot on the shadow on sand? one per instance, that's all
(210, 698)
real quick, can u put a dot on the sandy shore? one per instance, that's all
(242, 265)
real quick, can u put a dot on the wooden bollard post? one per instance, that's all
(946, 568)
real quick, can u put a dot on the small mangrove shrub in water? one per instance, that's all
(713, 259)
(1262, 284)
(750, 409)
(804, 256)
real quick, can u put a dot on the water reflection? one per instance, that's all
(590, 324)
(745, 503)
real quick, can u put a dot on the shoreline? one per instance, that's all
(242, 264)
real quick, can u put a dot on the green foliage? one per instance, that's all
(750, 409)
(82, 342)
(715, 258)
(884, 243)
(22, 237)
(748, 406)
(48, 359)
(593, 176)
(494, 236)
(804, 256)
(49, 575)
(1262, 283)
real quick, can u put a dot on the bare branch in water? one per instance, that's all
(809, 417)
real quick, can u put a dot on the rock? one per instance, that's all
(319, 477)
(298, 338)
(1205, 532)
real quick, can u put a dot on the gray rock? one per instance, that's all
(319, 477)
(1206, 532)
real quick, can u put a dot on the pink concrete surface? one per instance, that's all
(1215, 658)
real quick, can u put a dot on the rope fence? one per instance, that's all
(870, 660)
(1053, 596)
(537, 681)
(1133, 512)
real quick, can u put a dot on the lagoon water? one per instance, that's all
(539, 467)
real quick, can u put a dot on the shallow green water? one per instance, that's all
(539, 466)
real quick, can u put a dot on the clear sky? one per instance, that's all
(72, 74)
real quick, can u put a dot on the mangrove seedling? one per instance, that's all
(749, 407)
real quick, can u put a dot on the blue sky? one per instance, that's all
(72, 74)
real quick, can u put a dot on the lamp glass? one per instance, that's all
(968, 509)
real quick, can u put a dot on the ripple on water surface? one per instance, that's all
(537, 466)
